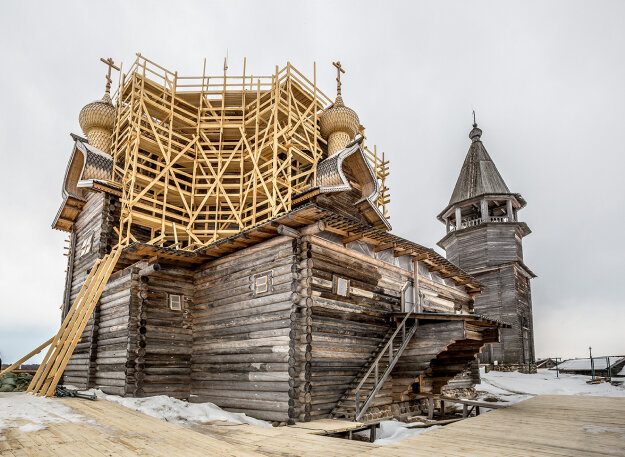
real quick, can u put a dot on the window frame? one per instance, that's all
(336, 280)
(180, 301)
(267, 284)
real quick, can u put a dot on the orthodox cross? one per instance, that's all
(339, 70)
(474, 123)
(111, 65)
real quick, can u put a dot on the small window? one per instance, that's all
(340, 286)
(175, 302)
(262, 283)
(85, 246)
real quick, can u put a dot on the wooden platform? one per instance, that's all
(541, 426)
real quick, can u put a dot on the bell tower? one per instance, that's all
(485, 238)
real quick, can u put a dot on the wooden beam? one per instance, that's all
(449, 274)
(401, 252)
(350, 238)
(383, 247)
(26, 357)
(288, 231)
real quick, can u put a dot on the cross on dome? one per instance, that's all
(111, 65)
(339, 70)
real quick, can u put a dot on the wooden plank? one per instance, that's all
(32, 353)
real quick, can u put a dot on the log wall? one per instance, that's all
(485, 246)
(109, 343)
(160, 337)
(507, 297)
(493, 254)
(94, 223)
(242, 347)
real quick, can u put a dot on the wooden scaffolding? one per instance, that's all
(203, 158)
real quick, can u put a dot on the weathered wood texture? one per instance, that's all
(92, 233)
(160, 337)
(241, 339)
(485, 246)
(508, 298)
(347, 331)
(493, 254)
(542, 426)
(109, 341)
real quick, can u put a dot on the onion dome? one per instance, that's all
(339, 125)
(339, 118)
(476, 133)
(96, 121)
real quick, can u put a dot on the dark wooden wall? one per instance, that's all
(346, 331)
(507, 298)
(109, 342)
(95, 222)
(161, 338)
(484, 246)
(241, 341)
(493, 254)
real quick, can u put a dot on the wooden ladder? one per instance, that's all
(63, 344)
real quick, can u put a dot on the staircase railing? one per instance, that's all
(392, 360)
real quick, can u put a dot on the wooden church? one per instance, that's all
(230, 243)
(485, 238)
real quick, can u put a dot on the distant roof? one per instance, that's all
(479, 175)
(584, 364)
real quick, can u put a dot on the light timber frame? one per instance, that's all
(202, 158)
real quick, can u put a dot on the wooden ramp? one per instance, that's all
(542, 426)
(547, 425)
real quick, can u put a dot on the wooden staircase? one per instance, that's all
(432, 356)
(63, 344)
(363, 391)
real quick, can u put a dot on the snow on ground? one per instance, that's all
(36, 411)
(180, 412)
(514, 387)
(393, 431)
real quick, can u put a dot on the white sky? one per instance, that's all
(547, 80)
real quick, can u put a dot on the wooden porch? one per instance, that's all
(541, 426)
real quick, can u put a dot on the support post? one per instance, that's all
(415, 288)
(372, 433)
(484, 210)
(592, 364)
(458, 219)
(509, 211)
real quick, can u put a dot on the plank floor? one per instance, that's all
(541, 426)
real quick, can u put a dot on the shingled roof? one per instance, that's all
(479, 175)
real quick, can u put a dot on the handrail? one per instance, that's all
(465, 223)
(392, 361)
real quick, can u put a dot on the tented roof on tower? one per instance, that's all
(479, 175)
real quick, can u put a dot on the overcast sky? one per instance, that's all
(546, 78)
